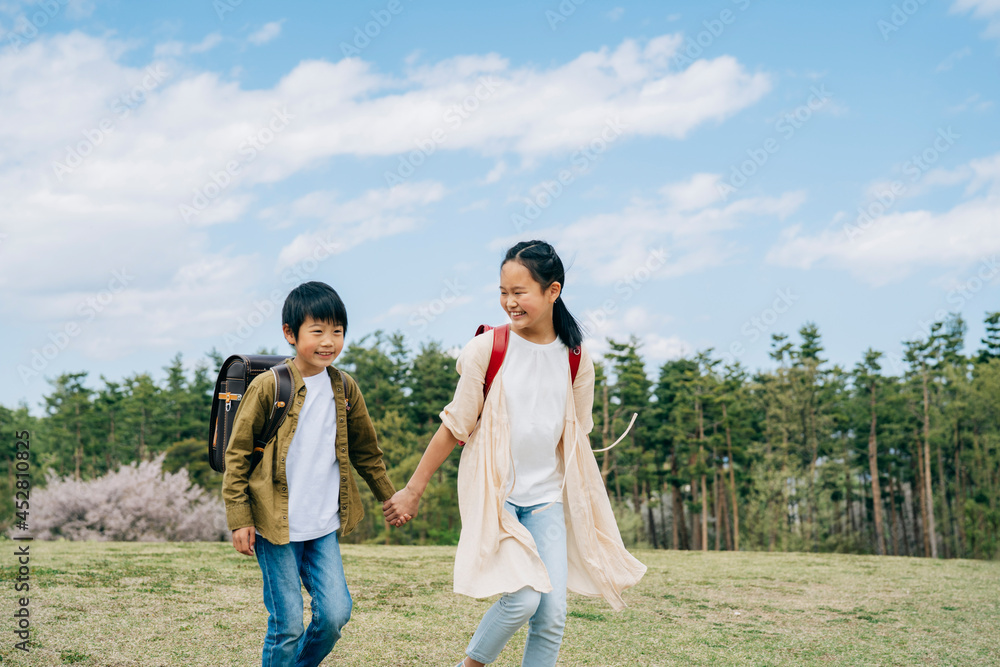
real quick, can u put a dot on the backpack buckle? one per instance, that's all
(229, 397)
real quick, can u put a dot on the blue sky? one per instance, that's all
(712, 173)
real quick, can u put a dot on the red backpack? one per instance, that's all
(501, 335)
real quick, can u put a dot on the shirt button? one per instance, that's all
(343, 479)
(283, 489)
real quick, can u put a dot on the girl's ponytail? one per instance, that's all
(546, 268)
(566, 325)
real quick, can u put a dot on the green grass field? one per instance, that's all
(200, 604)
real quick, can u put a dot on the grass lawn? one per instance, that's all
(200, 604)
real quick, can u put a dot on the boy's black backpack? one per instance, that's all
(235, 376)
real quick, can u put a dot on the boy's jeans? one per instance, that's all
(545, 612)
(318, 564)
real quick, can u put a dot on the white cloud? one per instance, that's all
(80, 9)
(894, 245)
(27, 9)
(688, 223)
(204, 296)
(423, 312)
(616, 13)
(341, 226)
(148, 138)
(210, 42)
(700, 191)
(935, 178)
(478, 205)
(953, 58)
(266, 33)
(496, 173)
(648, 327)
(175, 49)
(988, 10)
(971, 102)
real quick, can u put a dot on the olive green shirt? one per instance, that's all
(262, 500)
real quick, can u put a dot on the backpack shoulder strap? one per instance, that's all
(500, 337)
(574, 362)
(280, 406)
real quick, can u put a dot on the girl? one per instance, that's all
(536, 519)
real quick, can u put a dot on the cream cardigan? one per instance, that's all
(496, 554)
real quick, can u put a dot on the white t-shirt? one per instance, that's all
(534, 383)
(311, 466)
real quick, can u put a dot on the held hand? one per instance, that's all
(401, 521)
(243, 540)
(401, 507)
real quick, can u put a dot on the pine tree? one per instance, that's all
(69, 408)
(108, 413)
(867, 381)
(142, 408)
(668, 413)
(432, 382)
(922, 356)
(991, 343)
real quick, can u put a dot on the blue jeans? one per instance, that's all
(285, 568)
(545, 613)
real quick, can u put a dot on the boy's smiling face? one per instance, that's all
(316, 346)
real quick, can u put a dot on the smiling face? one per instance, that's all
(526, 303)
(316, 346)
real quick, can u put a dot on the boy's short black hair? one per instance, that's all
(316, 300)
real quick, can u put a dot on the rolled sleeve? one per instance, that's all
(461, 415)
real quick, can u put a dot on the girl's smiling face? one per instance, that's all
(317, 344)
(526, 303)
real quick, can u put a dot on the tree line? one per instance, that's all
(805, 456)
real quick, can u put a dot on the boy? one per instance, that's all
(289, 510)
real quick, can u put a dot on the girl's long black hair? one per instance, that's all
(545, 267)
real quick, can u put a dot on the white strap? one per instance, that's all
(563, 486)
(622, 437)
